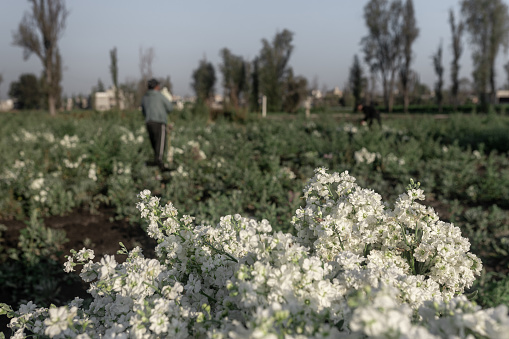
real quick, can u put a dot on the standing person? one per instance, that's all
(155, 107)
(370, 113)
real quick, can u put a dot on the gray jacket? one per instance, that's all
(155, 107)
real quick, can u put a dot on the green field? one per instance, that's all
(258, 168)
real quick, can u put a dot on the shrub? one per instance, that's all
(357, 267)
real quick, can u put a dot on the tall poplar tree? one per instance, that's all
(409, 32)
(38, 33)
(273, 65)
(439, 70)
(356, 81)
(457, 50)
(487, 22)
(383, 45)
(233, 69)
(204, 79)
(114, 75)
(255, 86)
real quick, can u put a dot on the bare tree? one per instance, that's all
(409, 32)
(382, 46)
(487, 22)
(146, 59)
(457, 49)
(114, 75)
(1, 80)
(439, 70)
(38, 33)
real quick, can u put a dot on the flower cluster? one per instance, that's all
(129, 137)
(357, 267)
(69, 142)
(195, 150)
(406, 245)
(366, 156)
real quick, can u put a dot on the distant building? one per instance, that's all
(104, 101)
(218, 102)
(337, 92)
(6, 105)
(503, 96)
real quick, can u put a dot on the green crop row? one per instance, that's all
(259, 167)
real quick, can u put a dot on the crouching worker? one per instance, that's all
(155, 107)
(370, 113)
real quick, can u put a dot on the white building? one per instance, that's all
(503, 96)
(6, 105)
(104, 101)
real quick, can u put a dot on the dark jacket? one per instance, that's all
(155, 107)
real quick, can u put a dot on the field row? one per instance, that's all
(258, 168)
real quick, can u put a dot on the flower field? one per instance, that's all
(278, 227)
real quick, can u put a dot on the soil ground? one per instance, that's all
(83, 229)
(98, 231)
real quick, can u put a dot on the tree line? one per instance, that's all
(387, 49)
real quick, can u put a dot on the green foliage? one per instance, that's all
(204, 79)
(493, 290)
(273, 63)
(37, 242)
(356, 81)
(294, 92)
(235, 79)
(27, 91)
(31, 271)
(439, 70)
(257, 168)
(114, 74)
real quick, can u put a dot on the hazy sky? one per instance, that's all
(327, 34)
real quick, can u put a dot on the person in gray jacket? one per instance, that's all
(155, 107)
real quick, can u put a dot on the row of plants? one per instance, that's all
(357, 267)
(501, 108)
(259, 169)
(58, 164)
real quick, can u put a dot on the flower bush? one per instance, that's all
(357, 267)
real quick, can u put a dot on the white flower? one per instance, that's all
(92, 172)
(27, 308)
(85, 254)
(69, 264)
(37, 184)
(58, 320)
(108, 265)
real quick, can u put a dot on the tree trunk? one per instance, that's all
(49, 83)
(51, 104)
(406, 100)
(493, 94)
(391, 93)
(386, 91)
